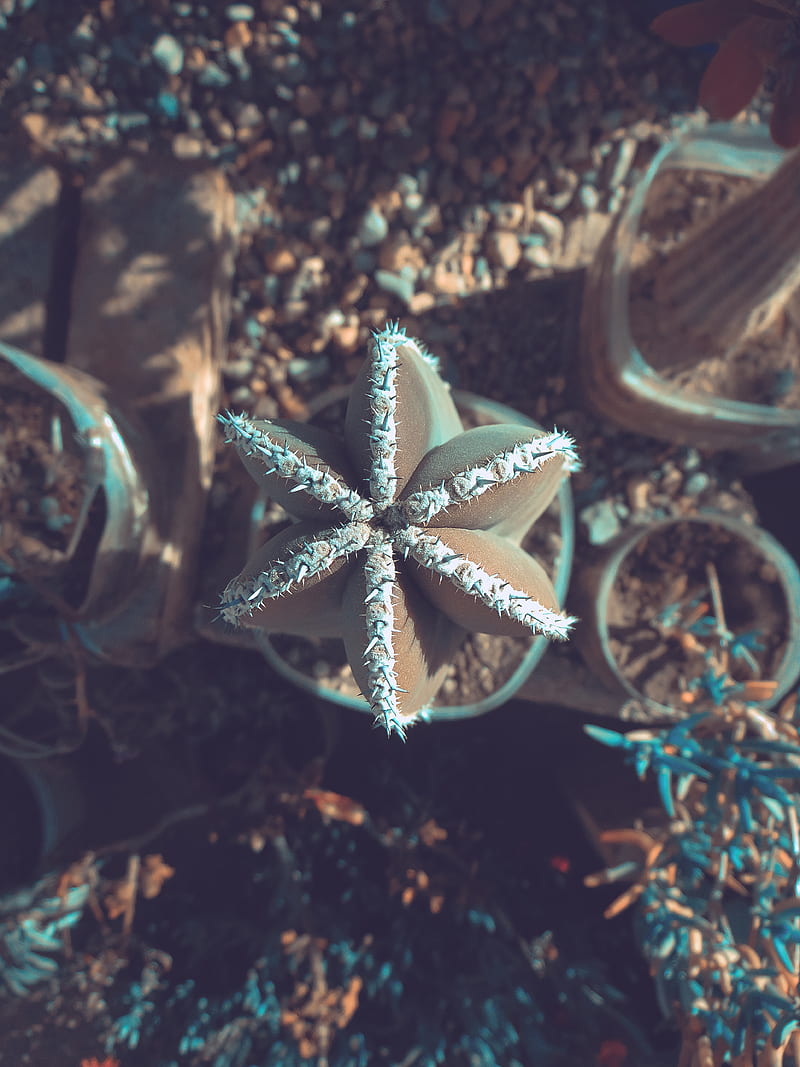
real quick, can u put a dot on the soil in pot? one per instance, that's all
(762, 367)
(42, 485)
(484, 662)
(661, 594)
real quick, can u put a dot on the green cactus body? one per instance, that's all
(407, 531)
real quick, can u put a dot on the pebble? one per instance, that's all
(238, 35)
(185, 146)
(372, 228)
(637, 491)
(345, 338)
(168, 53)
(421, 302)
(550, 226)
(589, 197)
(306, 370)
(280, 261)
(503, 249)
(213, 76)
(538, 256)
(399, 285)
(625, 157)
(696, 483)
(601, 521)
(238, 369)
(401, 256)
(507, 216)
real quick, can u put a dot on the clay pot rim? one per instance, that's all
(539, 643)
(758, 538)
(723, 148)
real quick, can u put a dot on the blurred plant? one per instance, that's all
(717, 882)
(33, 926)
(407, 498)
(758, 40)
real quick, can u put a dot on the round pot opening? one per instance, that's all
(689, 604)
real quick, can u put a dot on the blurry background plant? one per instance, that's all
(720, 292)
(758, 42)
(715, 876)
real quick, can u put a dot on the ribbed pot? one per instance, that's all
(712, 285)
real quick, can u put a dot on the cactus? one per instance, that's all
(406, 533)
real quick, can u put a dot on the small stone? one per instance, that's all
(280, 261)
(345, 338)
(503, 249)
(638, 492)
(213, 76)
(238, 35)
(372, 228)
(421, 302)
(168, 53)
(185, 146)
(589, 197)
(307, 101)
(238, 370)
(354, 289)
(306, 370)
(507, 216)
(401, 256)
(696, 483)
(601, 522)
(550, 226)
(398, 285)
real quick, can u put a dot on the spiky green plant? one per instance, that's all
(407, 531)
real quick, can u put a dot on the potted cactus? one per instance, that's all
(405, 531)
(659, 599)
(649, 315)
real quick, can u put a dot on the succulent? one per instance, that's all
(406, 532)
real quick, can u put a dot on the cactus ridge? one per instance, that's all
(432, 552)
(379, 656)
(311, 558)
(382, 398)
(463, 486)
(398, 631)
(319, 482)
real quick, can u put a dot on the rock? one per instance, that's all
(421, 302)
(507, 216)
(168, 53)
(601, 522)
(696, 483)
(503, 249)
(399, 285)
(238, 35)
(280, 261)
(372, 228)
(185, 146)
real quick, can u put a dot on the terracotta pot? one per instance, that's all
(486, 412)
(616, 377)
(116, 498)
(599, 605)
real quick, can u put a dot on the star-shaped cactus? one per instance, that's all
(406, 531)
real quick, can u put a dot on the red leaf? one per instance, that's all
(701, 22)
(734, 74)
